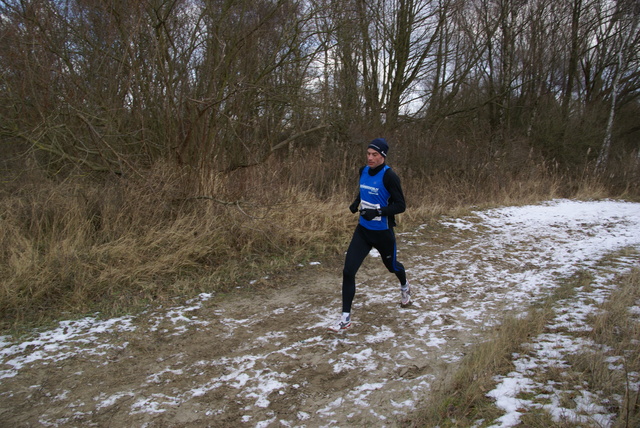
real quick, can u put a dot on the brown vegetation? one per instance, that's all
(159, 147)
(78, 245)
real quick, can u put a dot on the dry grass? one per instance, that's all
(69, 247)
(619, 329)
(460, 399)
(612, 368)
(455, 192)
(79, 245)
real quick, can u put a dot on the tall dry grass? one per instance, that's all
(84, 244)
(77, 246)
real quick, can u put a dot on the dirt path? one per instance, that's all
(266, 359)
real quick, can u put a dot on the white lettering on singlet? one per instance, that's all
(372, 190)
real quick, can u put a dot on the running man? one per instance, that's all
(379, 200)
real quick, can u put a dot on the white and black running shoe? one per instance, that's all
(405, 295)
(341, 325)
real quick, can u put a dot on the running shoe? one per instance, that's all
(405, 296)
(340, 325)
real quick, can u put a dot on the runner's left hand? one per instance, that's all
(369, 213)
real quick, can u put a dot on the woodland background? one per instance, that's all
(159, 147)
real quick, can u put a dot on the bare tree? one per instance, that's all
(624, 28)
(114, 86)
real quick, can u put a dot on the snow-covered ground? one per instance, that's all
(283, 369)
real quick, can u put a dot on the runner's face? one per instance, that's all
(374, 158)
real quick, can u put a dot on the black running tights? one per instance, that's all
(362, 242)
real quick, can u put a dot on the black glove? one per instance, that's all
(369, 213)
(354, 206)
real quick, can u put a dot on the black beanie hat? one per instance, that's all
(379, 145)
